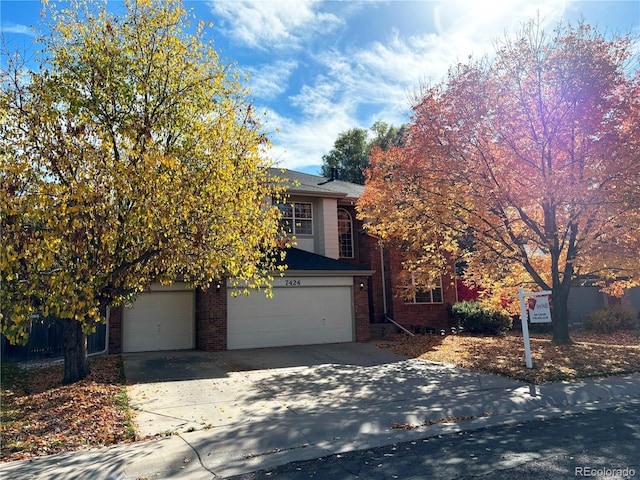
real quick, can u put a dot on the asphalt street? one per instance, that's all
(602, 444)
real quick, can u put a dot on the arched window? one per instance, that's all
(345, 233)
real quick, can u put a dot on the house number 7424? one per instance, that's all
(292, 283)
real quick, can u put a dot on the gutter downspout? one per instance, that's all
(384, 276)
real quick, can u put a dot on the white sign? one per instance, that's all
(523, 318)
(539, 311)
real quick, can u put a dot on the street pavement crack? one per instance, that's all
(164, 415)
(215, 475)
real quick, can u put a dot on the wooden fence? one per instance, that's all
(46, 341)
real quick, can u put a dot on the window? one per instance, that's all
(297, 218)
(424, 295)
(345, 234)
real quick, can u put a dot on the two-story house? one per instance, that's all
(338, 281)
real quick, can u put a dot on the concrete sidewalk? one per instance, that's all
(272, 416)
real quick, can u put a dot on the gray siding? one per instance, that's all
(583, 301)
(633, 297)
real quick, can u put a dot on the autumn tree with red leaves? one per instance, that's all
(529, 161)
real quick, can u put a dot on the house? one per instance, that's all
(339, 280)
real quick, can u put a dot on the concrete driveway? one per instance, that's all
(183, 391)
(180, 391)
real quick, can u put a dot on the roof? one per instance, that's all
(301, 260)
(316, 185)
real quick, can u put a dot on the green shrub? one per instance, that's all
(475, 318)
(610, 319)
(540, 327)
(629, 318)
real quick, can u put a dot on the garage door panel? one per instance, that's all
(279, 339)
(159, 321)
(294, 316)
(143, 343)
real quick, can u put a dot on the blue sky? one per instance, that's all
(322, 67)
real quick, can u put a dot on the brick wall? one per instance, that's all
(361, 308)
(115, 330)
(370, 249)
(429, 315)
(211, 318)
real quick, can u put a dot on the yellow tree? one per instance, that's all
(530, 160)
(131, 156)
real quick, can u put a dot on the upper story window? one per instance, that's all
(297, 218)
(425, 295)
(345, 234)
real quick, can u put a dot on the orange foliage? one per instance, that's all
(525, 167)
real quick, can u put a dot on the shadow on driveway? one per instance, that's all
(182, 391)
(170, 366)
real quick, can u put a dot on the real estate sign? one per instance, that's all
(539, 309)
(537, 302)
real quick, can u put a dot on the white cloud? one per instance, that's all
(375, 81)
(301, 143)
(322, 98)
(386, 73)
(484, 22)
(273, 24)
(469, 29)
(269, 81)
(17, 29)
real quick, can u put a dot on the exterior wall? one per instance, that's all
(585, 300)
(368, 255)
(309, 243)
(428, 315)
(387, 269)
(115, 330)
(582, 301)
(368, 302)
(305, 243)
(327, 232)
(361, 309)
(211, 318)
(318, 227)
(632, 296)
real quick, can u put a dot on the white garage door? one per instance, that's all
(303, 313)
(159, 321)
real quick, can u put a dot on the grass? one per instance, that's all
(590, 356)
(39, 416)
(11, 376)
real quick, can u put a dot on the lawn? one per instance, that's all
(591, 355)
(41, 417)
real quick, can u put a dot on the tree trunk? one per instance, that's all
(559, 300)
(76, 362)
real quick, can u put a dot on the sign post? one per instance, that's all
(540, 313)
